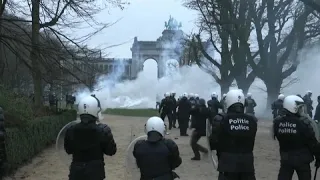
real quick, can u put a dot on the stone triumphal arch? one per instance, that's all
(168, 46)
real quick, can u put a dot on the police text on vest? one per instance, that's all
(239, 124)
(287, 128)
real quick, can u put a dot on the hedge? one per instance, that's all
(132, 112)
(15, 106)
(23, 143)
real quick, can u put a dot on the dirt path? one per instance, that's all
(48, 166)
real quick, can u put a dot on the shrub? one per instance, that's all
(23, 143)
(132, 112)
(16, 106)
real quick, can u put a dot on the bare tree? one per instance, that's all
(15, 40)
(188, 56)
(226, 23)
(289, 25)
(56, 17)
(221, 70)
(13, 70)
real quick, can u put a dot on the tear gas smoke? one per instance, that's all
(142, 92)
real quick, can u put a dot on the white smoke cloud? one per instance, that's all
(142, 92)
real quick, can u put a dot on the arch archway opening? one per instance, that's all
(150, 69)
(171, 67)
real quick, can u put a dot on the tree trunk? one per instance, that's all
(244, 84)
(224, 87)
(34, 55)
(273, 91)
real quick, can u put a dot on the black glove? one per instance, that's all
(317, 163)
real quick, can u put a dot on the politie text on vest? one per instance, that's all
(287, 128)
(239, 124)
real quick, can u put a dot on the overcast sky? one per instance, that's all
(144, 19)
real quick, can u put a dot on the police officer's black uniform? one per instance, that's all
(233, 136)
(197, 100)
(317, 112)
(277, 108)
(193, 103)
(166, 109)
(201, 113)
(52, 100)
(88, 142)
(214, 106)
(308, 101)
(157, 157)
(184, 108)
(297, 144)
(68, 100)
(250, 104)
(222, 103)
(174, 112)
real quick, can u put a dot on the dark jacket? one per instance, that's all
(157, 160)
(87, 142)
(184, 108)
(201, 113)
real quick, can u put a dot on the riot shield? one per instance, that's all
(211, 153)
(132, 171)
(64, 157)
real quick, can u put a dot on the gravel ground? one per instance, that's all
(49, 166)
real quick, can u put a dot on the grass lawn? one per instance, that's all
(132, 112)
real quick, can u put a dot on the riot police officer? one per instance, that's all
(233, 137)
(214, 104)
(184, 108)
(250, 104)
(277, 106)
(157, 156)
(308, 101)
(88, 142)
(317, 111)
(222, 102)
(174, 112)
(193, 102)
(166, 108)
(197, 98)
(297, 140)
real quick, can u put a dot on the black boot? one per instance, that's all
(196, 158)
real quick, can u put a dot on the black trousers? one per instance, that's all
(286, 171)
(196, 148)
(163, 115)
(174, 118)
(93, 170)
(236, 176)
(183, 124)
